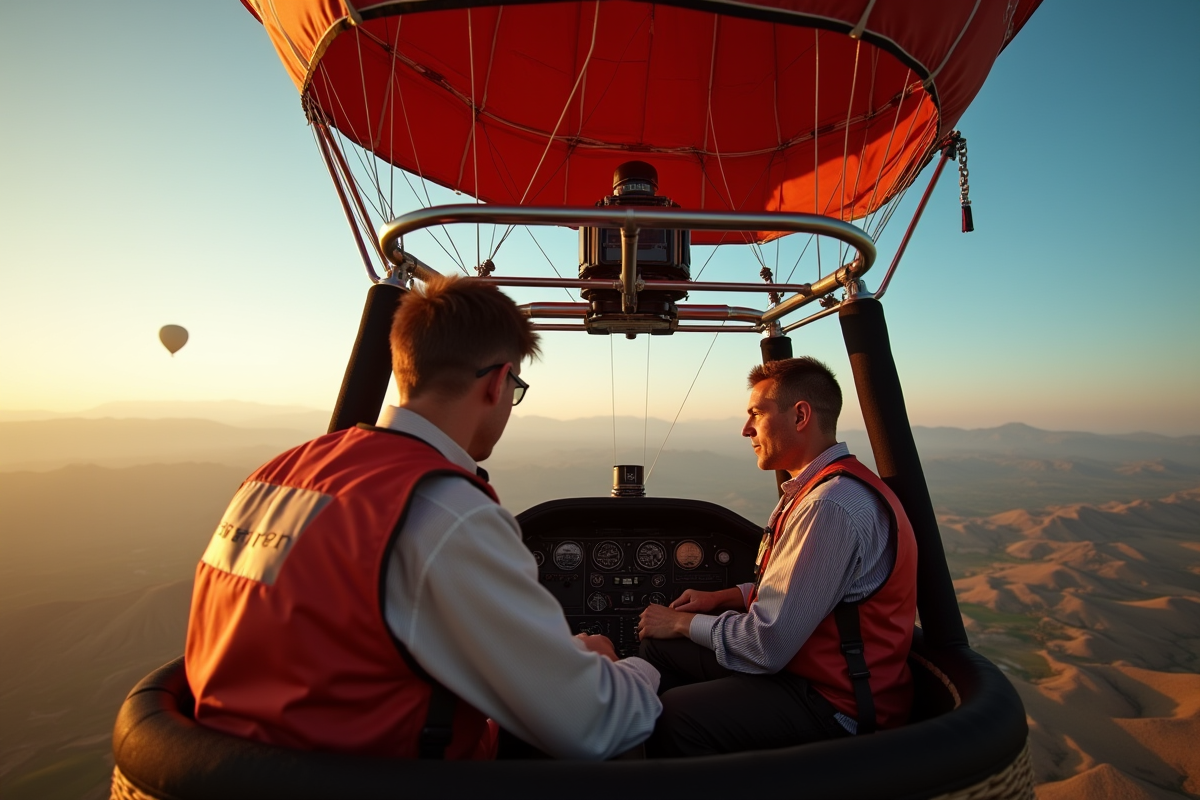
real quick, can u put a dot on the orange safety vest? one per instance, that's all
(829, 659)
(287, 641)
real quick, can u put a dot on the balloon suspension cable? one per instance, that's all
(646, 407)
(948, 151)
(612, 382)
(700, 369)
(323, 145)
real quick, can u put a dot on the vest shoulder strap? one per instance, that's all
(850, 633)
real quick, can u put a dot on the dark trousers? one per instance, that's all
(708, 709)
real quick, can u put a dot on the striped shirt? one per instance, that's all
(835, 546)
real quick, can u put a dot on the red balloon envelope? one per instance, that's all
(814, 106)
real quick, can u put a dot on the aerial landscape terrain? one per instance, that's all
(1076, 558)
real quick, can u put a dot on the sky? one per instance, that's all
(155, 167)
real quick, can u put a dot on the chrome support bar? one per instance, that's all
(835, 280)
(554, 310)
(718, 313)
(825, 312)
(631, 219)
(629, 270)
(686, 312)
(647, 286)
(550, 326)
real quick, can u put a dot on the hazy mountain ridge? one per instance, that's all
(1088, 595)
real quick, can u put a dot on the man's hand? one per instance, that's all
(598, 643)
(699, 602)
(660, 622)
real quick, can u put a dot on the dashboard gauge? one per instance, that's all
(724, 557)
(659, 581)
(538, 557)
(568, 555)
(597, 602)
(688, 555)
(651, 555)
(607, 555)
(596, 579)
(658, 598)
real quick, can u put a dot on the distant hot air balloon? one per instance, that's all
(173, 337)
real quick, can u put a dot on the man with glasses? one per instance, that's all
(366, 593)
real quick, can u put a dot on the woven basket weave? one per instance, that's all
(1014, 782)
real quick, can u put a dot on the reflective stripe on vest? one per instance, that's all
(287, 639)
(886, 617)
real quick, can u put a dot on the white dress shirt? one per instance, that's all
(462, 594)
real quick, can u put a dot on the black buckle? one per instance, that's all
(854, 648)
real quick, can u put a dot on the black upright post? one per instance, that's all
(365, 384)
(777, 348)
(882, 402)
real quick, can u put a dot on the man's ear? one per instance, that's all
(494, 388)
(803, 415)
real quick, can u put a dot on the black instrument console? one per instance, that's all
(606, 558)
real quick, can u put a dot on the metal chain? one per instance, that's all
(964, 188)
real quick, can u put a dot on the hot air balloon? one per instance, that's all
(173, 337)
(652, 128)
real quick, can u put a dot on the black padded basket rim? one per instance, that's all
(164, 753)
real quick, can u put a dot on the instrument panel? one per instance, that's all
(606, 559)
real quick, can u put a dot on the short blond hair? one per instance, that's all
(448, 328)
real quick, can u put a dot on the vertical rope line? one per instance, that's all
(612, 382)
(846, 147)
(646, 408)
(816, 136)
(567, 106)
(712, 123)
(372, 166)
(887, 150)
(412, 142)
(474, 125)
(681, 405)
(903, 172)
(487, 82)
(862, 155)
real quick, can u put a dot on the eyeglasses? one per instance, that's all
(518, 393)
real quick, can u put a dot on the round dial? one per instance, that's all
(688, 555)
(658, 598)
(659, 581)
(607, 555)
(568, 555)
(597, 602)
(651, 555)
(724, 557)
(596, 579)
(538, 557)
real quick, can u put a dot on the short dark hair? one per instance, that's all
(448, 328)
(803, 378)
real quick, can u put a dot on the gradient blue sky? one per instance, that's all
(156, 169)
